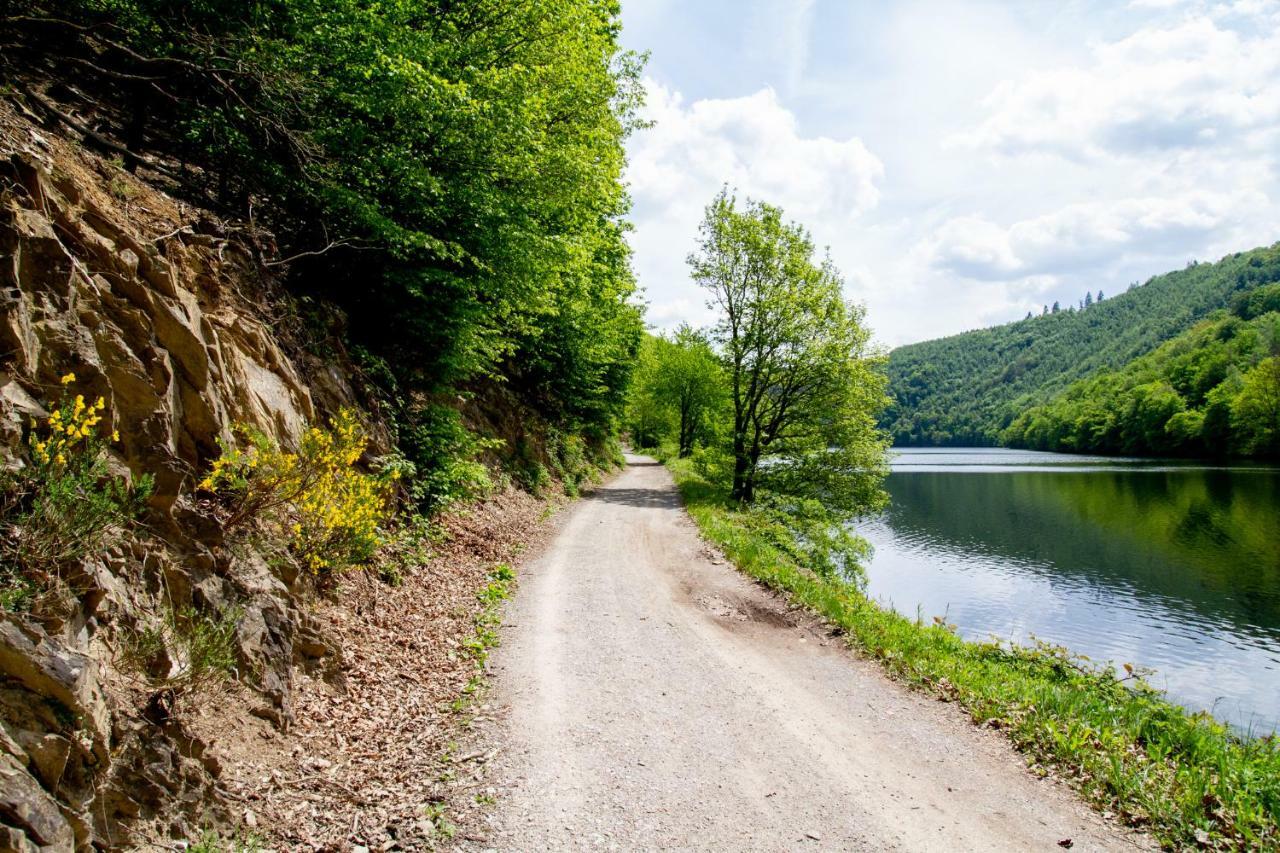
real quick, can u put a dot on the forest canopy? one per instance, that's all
(1213, 390)
(449, 174)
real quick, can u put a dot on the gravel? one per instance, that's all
(649, 697)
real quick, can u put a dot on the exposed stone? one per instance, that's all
(24, 805)
(49, 753)
(140, 333)
(14, 840)
(175, 335)
(47, 668)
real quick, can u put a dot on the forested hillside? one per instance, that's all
(968, 388)
(1213, 390)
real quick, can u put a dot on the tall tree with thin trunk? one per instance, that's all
(805, 384)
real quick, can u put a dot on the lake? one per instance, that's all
(1173, 566)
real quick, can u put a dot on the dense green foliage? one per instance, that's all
(804, 385)
(448, 173)
(679, 392)
(1213, 390)
(967, 389)
(1187, 778)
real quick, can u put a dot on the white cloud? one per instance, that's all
(1088, 235)
(754, 145)
(1181, 86)
(1019, 158)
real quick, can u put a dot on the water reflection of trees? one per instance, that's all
(1201, 540)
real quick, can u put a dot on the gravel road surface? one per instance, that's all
(653, 698)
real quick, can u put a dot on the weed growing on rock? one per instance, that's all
(330, 511)
(190, 648)
(64, 506)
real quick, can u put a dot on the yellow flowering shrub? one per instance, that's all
(70, 428)
(330, 510)
(65, 504)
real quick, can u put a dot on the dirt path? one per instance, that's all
(656, 699)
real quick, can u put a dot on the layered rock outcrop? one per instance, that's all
(159, 310)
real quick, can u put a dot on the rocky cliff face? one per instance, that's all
(160, 310)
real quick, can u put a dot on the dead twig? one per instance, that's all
(335, 244)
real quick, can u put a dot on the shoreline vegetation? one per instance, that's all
(1186, 778)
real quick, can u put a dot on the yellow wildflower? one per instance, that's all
(68, 379)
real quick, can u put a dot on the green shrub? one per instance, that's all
(190, 648)
(527, 470)
(66, 504)
(568, 455)
(445, 458)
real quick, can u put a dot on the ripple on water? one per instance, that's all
(1171, 567)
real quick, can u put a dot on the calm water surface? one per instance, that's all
(1170, 566)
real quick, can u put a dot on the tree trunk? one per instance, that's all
(741, 464)
(686, 432)
(753, 465)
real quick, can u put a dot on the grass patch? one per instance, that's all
(1187, 778)
(188, 649)
(211, 842)
(497, 589)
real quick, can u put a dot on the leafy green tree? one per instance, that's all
(449, 174)
(1257, 408)
(805, 385)
(689, 379)
(648, 420)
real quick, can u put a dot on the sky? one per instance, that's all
(963, 162)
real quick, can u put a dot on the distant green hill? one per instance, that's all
(967, 389)
(1212, 390)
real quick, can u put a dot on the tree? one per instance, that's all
(1088, 299)
(1100, 296)
(1257, 408)
(648, 420)
(448, 173)
(805, 385)
(1056, 307)
(690, 380)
